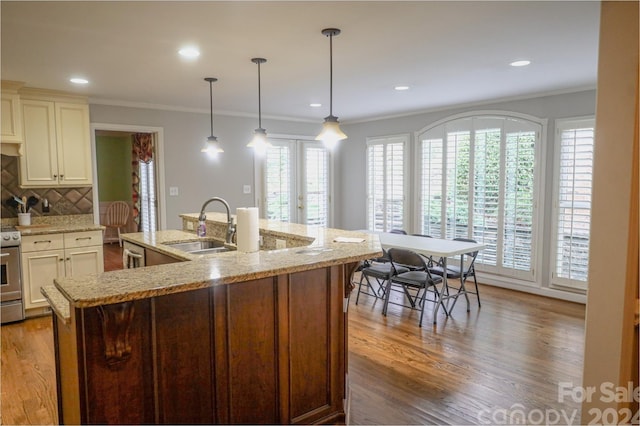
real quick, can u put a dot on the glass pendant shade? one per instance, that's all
(259, 141)
(331, 133)
(212, 146)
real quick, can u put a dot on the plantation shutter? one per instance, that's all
(572, 204)
(316, 182)
(278, 183)
(147, 197)
(386, 183)
(431, 185)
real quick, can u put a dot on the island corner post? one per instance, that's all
(271, 350)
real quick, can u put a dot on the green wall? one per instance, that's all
(113, 156)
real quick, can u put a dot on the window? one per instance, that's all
(477, 179)
(386, 183)
(147, 197)
(572, 202)
(297, 182)
(278, 183)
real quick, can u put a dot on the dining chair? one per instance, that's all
(456, 272)
(414, 283)
(117, 216)
(379, 270)
(398, 231)
(130, 259)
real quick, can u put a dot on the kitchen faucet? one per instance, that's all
(231, 229)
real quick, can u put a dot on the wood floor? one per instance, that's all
(473, 368)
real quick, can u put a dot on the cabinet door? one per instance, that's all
(74, 146)
(84, 261)
(11, 121)
(39, 269)
(39, 163)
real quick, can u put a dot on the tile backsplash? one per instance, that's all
(62, 201)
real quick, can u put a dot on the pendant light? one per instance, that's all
(211, 146)
(259, 142)
(331, 133)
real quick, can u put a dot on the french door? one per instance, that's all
(296, 182)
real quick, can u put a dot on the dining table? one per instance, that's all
(435, 248)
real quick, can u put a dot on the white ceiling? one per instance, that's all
(450, 53)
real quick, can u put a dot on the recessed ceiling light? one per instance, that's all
(189, 52)
(522, 63)
(78, 80)
(315, 105)
(400, 88)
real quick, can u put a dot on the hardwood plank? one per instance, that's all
(513, 350)
(28, 373)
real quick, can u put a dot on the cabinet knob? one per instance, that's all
(55, 176)
(61, 176)
(60, 260)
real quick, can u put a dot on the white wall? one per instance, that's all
(197, 176)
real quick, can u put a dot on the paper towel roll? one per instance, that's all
(248, 235)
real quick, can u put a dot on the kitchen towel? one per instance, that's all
(248, 235)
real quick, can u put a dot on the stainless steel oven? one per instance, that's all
(11, 304)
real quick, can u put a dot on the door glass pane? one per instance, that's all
(457, 175)
(316, 186)
(518, 200)
(431, 205)
(486, 193)
(278, 183)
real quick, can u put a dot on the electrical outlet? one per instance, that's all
(189, 226)
(280, 244)
(173, 191)
(246, 189)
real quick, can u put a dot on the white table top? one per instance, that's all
(428, 246)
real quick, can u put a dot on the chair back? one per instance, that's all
(117, 213)
(471, 255)
(398, 231)
(407, 258)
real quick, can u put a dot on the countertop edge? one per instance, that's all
(58, 302)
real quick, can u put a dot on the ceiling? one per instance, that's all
(449, 53)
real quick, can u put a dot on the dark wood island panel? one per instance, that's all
(270, 350)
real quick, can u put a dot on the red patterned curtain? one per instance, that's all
(142, 152)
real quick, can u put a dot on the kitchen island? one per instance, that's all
(225, 338)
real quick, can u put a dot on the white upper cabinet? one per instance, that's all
(11, 135)
(57, 147)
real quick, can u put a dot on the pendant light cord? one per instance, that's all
(211, 104)
(259, 97)
(331, 75)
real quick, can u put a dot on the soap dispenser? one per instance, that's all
(202, 228)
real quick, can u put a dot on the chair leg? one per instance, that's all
(386, 298)
(477, 292)
(119, 237)
(359, 287)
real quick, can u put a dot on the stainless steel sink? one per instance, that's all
(199, 247)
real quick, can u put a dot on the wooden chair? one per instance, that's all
(117, 216)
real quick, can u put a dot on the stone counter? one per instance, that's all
(216, 269)
(227, 338)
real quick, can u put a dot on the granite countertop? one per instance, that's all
(57, 224)
(44, 229)
(216, 269)
(58, 302)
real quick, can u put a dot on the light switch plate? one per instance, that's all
(246, 189)
(173, 191)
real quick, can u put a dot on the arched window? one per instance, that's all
(479, 178)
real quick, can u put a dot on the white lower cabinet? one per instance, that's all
(45, 257)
